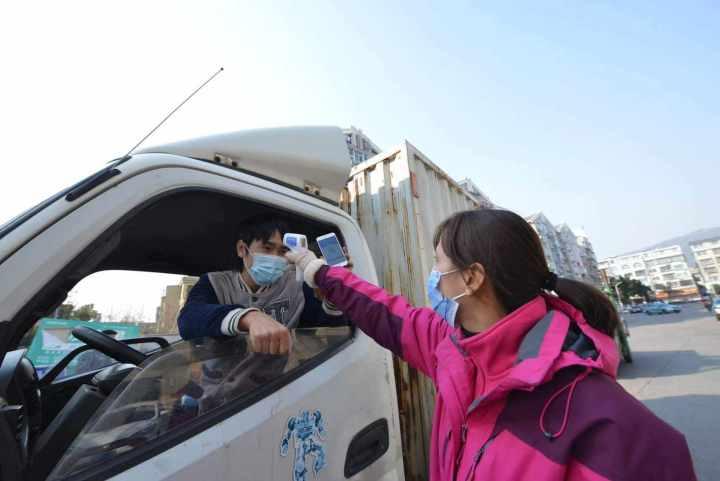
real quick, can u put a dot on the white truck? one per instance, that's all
(205, 409)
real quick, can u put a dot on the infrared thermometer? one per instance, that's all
(296, 242)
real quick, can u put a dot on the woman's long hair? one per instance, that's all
(511, 253)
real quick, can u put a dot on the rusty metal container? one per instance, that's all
(398, 198)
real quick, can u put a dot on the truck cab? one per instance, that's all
(159, 407)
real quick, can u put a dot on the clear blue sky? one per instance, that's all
(604, 115)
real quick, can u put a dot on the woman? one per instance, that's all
(524, 362)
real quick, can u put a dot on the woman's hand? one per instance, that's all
(349, 266)
(307, 262)
(301, 258)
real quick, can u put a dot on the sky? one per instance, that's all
(603, 115)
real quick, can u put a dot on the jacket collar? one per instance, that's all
(555, 351)
(526, 348)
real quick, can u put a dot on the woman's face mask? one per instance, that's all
(267, 269)
(446, 307)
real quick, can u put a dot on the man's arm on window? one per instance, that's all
(204, 316)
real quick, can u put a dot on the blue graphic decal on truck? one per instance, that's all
(307, 432)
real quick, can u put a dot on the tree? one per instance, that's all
(86, 313)
(629, 288)
(65, 311)
(82, 313)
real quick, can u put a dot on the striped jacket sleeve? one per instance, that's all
(411, 333)
(203, 314)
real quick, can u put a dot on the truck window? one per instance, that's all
(121, 304)
(186, 382)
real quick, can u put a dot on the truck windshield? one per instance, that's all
(186, 382)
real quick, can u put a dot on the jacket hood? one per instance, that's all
(527, 347)
(524, 350)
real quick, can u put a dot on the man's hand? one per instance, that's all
(267, 336)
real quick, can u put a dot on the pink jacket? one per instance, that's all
(532, 398)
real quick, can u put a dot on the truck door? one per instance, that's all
(206, 409)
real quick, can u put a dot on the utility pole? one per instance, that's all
(617, 293)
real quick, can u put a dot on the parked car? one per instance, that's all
(674, 308)
(661, 308)
(636, 308)
(716, 308)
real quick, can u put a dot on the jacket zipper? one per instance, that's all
(445, 447)
(463, 437)
(464, 428)
(478, 456)
(457, 345)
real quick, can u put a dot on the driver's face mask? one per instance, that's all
(267, 269)
(446, 307)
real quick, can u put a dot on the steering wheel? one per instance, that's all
(21, 403)
(109, 346)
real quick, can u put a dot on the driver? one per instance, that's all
(263, 297)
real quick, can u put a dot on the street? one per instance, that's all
(676, 373)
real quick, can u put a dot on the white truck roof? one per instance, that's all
(315, 159)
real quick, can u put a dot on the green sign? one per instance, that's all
(53, 339)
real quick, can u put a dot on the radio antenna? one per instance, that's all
(173, 111)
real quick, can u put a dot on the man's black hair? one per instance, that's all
(259, 227)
